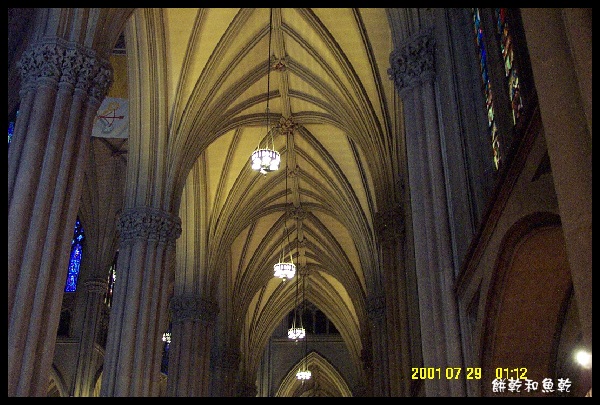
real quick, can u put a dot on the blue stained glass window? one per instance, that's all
(75, 261)
(11, 127)
(11, 130)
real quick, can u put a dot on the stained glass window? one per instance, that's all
(166, 338)
(11, 130)
(75, 261)
(11, 127)
(487, 87)
(510, 69)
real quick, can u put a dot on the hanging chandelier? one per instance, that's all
(304, 373)
(284, 270)
(296, 332)
(265, 160)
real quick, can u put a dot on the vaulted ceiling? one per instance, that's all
(329, 93)
(336, 112)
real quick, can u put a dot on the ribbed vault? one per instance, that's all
(325, 381)
(326, 85)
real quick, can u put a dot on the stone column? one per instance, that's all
(366, 357)
(63, 84)
(247, 389)
(560, 48)
(138, 316)
(193, 321)
(413, 71)
(376, 311)
(100, 204)
(226, 368)
(389, 226)
(85, 373)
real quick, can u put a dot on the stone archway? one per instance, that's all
(528, 299)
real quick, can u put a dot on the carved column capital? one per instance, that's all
(149, 224)
(191, 307)
(55, 61)
(413, 63)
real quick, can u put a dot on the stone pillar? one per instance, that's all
(85, 373)
(360, 390)
(560, 45)
(376, 311)
(139, 311)
(63, 84)
(413, 71)
(226, 368)
(366, 357)
(192, 321)
(389, 225)
(247, 389)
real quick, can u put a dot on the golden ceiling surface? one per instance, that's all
(330, 94)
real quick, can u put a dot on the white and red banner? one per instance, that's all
(112, 119)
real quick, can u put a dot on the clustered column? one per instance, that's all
(365, 389)
(413, 71)
(139, 311)
(63, 84)
(94, 291)
(193, 321)
(376, 312)
(247, 389)
(389, 225)
(226, 368)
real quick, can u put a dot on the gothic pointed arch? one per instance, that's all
(326, 381)
(526, 304)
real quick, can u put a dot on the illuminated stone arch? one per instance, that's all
(528, 297)
(326, 381)
(56, 384)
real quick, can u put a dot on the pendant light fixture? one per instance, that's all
(297, 331)
(282, 269)
(265, 160)
(285, 270)
(304, 373)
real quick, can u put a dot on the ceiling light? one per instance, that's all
(296, 332)
(284, 270)
(304, 373)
